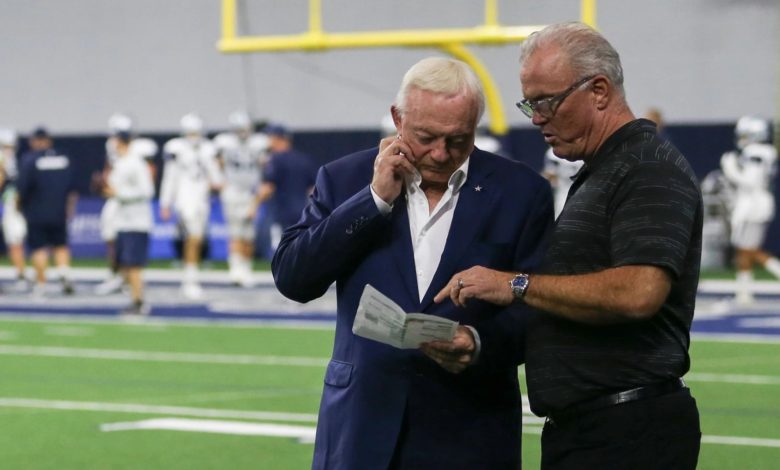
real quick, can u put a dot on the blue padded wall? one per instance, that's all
(701, 144)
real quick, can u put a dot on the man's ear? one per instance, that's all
(602, 91)
(396, 113)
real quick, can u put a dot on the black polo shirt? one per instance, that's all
(637, 202)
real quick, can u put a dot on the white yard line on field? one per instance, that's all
(304, 434)
(740, 441)
(139, 408)
(733, 378)
(253, 428)
(161, 356)
(154, 274)
(158, 323)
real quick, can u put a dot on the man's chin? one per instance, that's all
(435, 178)
(431, 183)
(561, 151)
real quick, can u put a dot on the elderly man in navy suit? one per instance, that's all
(404, 218)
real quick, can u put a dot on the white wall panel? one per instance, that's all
(71, 63)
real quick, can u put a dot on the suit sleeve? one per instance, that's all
(328, 242)
(503, 337)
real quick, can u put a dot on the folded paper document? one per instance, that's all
(381, 319)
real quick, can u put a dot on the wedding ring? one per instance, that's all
(460, 283)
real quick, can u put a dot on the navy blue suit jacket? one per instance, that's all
(376, 396)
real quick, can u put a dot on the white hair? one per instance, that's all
(441, 75)
(588, 52)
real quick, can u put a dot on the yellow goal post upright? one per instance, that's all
(451, 41)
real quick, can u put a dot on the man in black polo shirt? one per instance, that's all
(615, 297)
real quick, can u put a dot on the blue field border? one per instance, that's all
(716, 313)
(754, 323)
(196, 312)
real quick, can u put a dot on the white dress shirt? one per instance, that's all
(429, 227)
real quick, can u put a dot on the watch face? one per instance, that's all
(519, 285)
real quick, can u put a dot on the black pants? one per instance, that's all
(658, 433)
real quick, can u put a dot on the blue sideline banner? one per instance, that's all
(85, 240)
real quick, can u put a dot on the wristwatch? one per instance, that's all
(519, 285)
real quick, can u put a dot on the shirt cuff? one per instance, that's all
(384, 208)
(477, 344)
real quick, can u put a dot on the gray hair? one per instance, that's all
(441, 75)
(589, 53)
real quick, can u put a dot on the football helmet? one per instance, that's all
(191, 123)
(240, 121)
(751, 130)
(119, 122)
(8, 138)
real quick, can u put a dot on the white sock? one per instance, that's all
(191, 273)
(63, 272)
(773, 266)
(234, 263)
(246, 265)
(744, 283)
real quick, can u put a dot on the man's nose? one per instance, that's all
(537, 119)
(439, 151)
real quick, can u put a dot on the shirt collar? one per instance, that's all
(620, 136)
(455, 183)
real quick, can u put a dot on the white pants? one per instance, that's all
(14, 225)
(748, 235)
(194, 219)
(235, 208)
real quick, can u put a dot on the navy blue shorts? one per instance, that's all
(131, 249)
(45, 235)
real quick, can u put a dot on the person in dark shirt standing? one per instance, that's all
(615, 296)
(287, 179)
(47, 199)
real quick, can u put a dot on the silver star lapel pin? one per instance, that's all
(477, 188)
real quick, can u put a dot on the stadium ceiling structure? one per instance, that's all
(450, 41)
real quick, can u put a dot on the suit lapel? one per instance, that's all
(470, 215)
(401, 248)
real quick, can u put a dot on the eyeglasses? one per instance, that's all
(546, 107)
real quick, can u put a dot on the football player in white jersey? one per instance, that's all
(14, 225)
(559, 173)
(146, 149)
(189, 175)
(130, 184)
(751, 170)
(242, 155)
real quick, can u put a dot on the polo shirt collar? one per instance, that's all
(623, 134)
